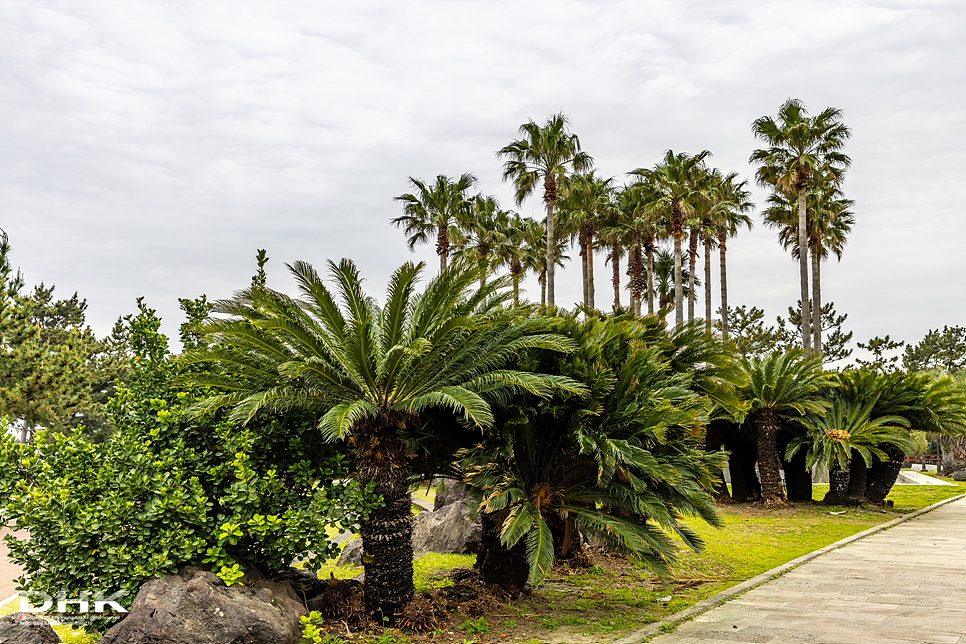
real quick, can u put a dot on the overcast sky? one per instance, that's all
(149, 148)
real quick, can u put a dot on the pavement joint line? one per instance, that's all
(703, 606)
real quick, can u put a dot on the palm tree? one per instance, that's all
(436, 208)
(731, 200)
(614, 234)
(485, 228)
(376, 377)
(545, 153)
(782, 388)
(585, 200)
(801, 150)
(828, 223)
(643, 224)
(677, 179)
(663, 275)
(845, 431)
(513, 250)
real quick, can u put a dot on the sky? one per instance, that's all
(150, 148)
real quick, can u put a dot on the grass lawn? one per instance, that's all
(614, 597)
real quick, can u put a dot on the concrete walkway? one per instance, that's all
(903, 585)
(8, 570)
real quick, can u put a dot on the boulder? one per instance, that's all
(448, 493)
(195, 607)
(446, 530)
(305, 583)
(959, 475)
(26, 628)
(351, 554)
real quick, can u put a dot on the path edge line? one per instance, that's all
(714, 601)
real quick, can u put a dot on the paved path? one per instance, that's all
(903, 585)
(8, 570)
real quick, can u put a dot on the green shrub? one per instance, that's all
(168, 490)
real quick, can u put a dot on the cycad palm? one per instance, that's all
(373, 375)
(801, 149)
(437, 208)
(782, 387)
(546, 153)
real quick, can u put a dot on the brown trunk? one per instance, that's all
(803, 269)
(649, 249)
(692, 267)
(590, 268)
(442, 245)
(745, 485)
(516, 271)
(634, 270)
(816, 301)
(582, 243)
(858, 473)
(724, 286)
(838, 485)
(382, 459)
(498, 566)
(798, 478)
(707, 285)
(678, 280)
(882, 476)
(769, 465)
(615, 266)
(550, 197)
(543, 287)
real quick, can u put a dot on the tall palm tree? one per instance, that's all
(546, 153)
(828, 222)
(801, 149)
(644, 225)
(615, 236)
(781, 388)
(731, 200)
(512, 250)
(585, 200)
(375, 377)
(663, 278)
(677, 179)
(484, 227)
(436, 208)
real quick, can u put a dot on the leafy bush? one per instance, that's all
(169, 490)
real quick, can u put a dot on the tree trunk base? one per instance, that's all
(506, 569)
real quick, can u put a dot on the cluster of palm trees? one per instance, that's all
(680, 200)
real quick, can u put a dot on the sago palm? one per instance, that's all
(375, 376)
(781, 388)
(544, 153)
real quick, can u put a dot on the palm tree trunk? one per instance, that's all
(634, 270)
(722, 238)
(543, 287)
(882, 475)
(615, 266)
(692, 265)
(707, 285)
(582, 243)
(803, 269)
(649, 248)
(498, 566)
(769, 465)
(387, 534)
(838, 485)
(550, 251)
(816, 301)
(678, 285)
(442, 245)
(590, 269)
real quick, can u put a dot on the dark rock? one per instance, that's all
(351, 554)
(448, 493)
(195, 607)
(305, 583)
(26, 628)
(446, 530)
(959, 475)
